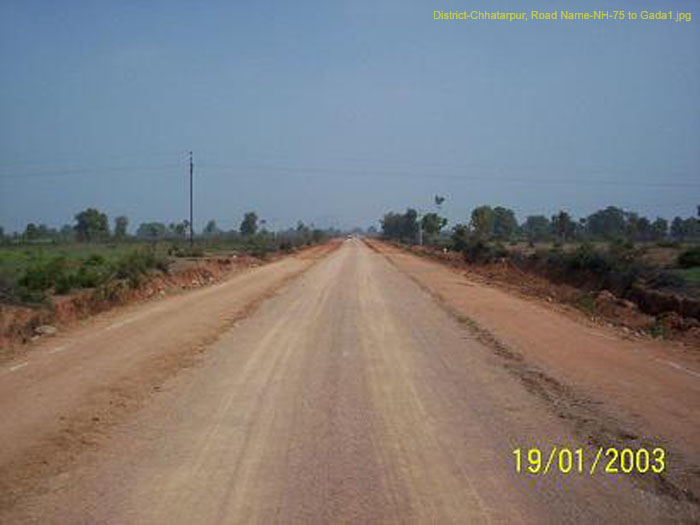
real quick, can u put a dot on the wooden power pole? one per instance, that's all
(191, 212)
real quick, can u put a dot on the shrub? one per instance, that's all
(136, 264)
(94, 260)
(480, 251)
(586, 303)
(689, 258)
(90, 276)
(45, 274)
(64, 284)
(616, 269)
(586, 258)
(660, 329)
(460, 238)
(13, 292)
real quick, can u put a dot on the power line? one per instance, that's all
(374, 173)
(89, 159)
(81, 171)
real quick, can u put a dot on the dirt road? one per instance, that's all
(349, 396)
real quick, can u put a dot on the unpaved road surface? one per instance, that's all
(349, 395)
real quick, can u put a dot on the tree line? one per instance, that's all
(500, 224)
(92, 225)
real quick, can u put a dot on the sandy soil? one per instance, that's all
(351, 395)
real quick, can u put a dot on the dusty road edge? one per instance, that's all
(88, 428)
(589, 419)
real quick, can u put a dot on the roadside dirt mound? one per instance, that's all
(623, 312)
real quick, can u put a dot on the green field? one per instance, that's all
(14, 260)
(29, 273)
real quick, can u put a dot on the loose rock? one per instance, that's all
(45, 329)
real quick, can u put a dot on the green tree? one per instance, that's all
(211, 229)
(482, 222)
(432, 223)
(644, 230)
(400, 227)
(460, 237)
(178, 229)
(562, 226)
(31, 232)
(505, 224)
(677, 229)
(249, 224)
(632, 227)
(537, 228)
(391, 225)
(67, 233)
(691, 228)
(91, 225)
(409, 229)
(685, 229)
(659, 229)
(610, 223)
(121, 225)
(151, 231)
(47, 233)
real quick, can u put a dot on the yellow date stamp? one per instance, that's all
(604, 460)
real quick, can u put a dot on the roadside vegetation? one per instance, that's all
(654, 263)
(41, 262)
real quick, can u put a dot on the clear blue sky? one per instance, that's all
(335, 112)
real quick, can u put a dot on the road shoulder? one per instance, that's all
(625, 392)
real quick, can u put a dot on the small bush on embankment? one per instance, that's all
(135, 265)
(60, 274)
(616, 269)
(478, 251)
(689, 258)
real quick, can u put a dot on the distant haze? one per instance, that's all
(334, 113)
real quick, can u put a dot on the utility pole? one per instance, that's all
(191, 214)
